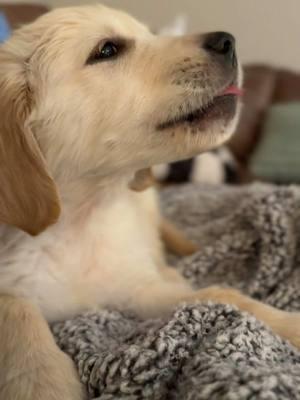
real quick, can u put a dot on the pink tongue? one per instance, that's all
(233, 90)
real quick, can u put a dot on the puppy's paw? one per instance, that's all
(55, 378)
(288, 327)
(220, 294)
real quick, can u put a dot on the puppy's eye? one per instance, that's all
(104, 52)
(107, 51)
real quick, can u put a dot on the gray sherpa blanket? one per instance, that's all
(250, 239)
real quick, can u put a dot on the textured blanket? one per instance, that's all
(250, 239)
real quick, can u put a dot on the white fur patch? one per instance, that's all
(208, 168)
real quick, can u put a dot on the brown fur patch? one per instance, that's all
(28, 196)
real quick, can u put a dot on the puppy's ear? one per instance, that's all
(28, 196)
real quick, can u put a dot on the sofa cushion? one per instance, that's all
(276, 158)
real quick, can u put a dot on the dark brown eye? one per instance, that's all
(104, 52)
(108, 50)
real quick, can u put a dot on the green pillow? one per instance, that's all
(277, 157)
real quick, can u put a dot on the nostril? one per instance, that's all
(221, 43)
(227, 47)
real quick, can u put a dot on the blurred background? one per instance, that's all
(267, 30)
(267, 142)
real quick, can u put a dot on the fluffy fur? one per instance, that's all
(74, 134)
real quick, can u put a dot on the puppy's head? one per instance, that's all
(89, 91)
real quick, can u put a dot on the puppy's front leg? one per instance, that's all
(31, 365)
(160, 296)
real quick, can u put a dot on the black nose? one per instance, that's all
(221, 44)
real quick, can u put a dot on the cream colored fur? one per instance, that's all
(96, 125)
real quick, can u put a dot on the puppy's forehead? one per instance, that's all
(94, 21)
(64, 38)
(73, 32)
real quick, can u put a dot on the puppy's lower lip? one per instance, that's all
(222, 107)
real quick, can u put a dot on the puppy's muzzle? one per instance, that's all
(221, 46)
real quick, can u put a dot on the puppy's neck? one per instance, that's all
(81, 197)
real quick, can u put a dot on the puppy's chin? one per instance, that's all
(221, 109)
(201, 131)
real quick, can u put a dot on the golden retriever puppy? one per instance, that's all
(89, 98)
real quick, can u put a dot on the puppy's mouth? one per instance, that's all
(221, 107)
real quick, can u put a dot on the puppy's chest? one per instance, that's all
(113, 243)
(95, 263)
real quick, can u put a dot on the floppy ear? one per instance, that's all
(28, 195)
